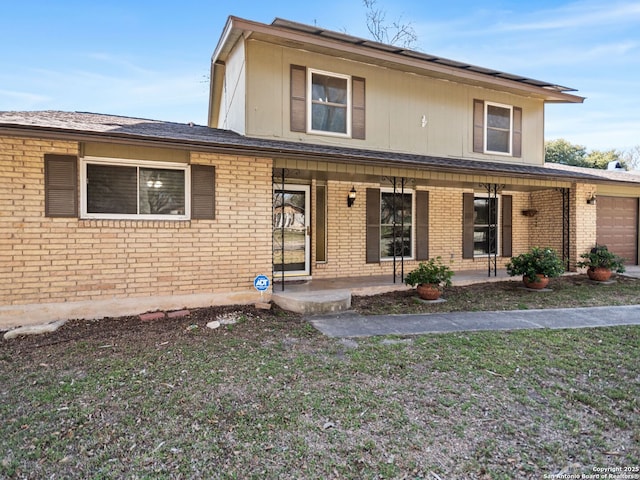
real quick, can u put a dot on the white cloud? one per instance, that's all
(17, 100)
(579, 15)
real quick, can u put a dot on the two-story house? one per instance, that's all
(325, 156)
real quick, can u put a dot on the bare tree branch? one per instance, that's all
(396, 33)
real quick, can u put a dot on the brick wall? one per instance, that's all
(347, 232)
(546, 225)
(45, 260)
(55, 261)
(583, 220)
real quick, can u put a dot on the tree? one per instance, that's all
(632, 157)
(600, 159)
(561, 151)
(396, 33)
(566, 153)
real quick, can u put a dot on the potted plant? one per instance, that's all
(600, 263)
(429, 277)
(536, 266)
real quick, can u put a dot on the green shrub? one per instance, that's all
(537, 261)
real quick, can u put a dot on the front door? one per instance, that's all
(291, 252)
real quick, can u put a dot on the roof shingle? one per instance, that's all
(79, 124)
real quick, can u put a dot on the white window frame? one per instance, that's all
(498, 223)
(310, 73)
(133, 163)
(487, 128)
(413, 222)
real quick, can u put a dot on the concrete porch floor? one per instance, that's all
(334, 294)
(380, 283)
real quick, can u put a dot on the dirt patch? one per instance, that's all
(111, 332)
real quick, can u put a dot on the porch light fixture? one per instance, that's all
(351, 198)
(592, 199)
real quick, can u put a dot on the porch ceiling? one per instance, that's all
(327, 171)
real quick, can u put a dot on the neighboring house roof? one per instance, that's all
(83, 126)
(314, 38)
(631, 176)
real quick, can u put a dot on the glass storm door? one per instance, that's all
(291, 230)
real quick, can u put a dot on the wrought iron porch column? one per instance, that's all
(282, 222)
(492, 227)
(398, 196)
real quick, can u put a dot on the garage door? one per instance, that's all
(618, 226)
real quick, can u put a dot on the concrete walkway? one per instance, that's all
(351, 324)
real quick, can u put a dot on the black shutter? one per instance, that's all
(298, 107)
(516, 141)
(321, 223)
(203, 189)
(373, 225)
(507, 225)
(422, 225)
(468, 224)
(358, 116)
(60, 185)
(478, 126)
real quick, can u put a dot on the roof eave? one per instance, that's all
(372, 52)
(351, 157)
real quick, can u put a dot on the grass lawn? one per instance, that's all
(269, 397)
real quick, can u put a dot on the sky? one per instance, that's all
(150, 59)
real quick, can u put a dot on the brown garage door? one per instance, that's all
(618, 226)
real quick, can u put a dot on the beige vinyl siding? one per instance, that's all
(233, 103)
(395, 105)
(266, 99)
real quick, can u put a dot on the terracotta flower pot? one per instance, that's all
(428, 291)
(599, 274)
(538, 284)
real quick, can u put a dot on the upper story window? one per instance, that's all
(113, 188)
(497, 128)
(330, 103)
(327, 103)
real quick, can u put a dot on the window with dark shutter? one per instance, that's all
(422, 225)
(329, 104)
(500, 126)
(203, 205)
(61, 185)
(373, 225)
(481, 233)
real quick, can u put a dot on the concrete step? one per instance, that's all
(312, 303)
